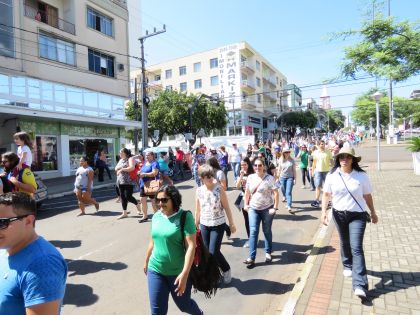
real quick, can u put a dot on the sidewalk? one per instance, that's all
(392, 252)
(62, 186)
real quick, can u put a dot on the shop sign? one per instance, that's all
(90, 131)
(39, 127)
(254, 120)
(229, 75)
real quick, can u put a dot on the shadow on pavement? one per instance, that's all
(260, 286)
(66, 244)
(184, 186)
(105, 213)
(79, 295)
(391, 281)
(84, 267)
(294, 217)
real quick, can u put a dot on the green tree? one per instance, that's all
(292, 120)
(336, 119)
(387, 49)
(168, 113)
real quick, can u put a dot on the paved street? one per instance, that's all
(105, 257)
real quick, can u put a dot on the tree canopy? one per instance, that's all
(387, 49)
(336, 119)
(168, 113)
(292, 120)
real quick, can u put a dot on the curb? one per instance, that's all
(289, 307)
(71, 192)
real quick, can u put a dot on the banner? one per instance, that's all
(230, 76)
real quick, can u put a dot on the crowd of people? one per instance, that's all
(262, 172)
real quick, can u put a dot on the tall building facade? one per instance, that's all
(249, 85)
(294, 96)
(64, 78)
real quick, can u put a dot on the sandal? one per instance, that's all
(143, 220)
(249, 261)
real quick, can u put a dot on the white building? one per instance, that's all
(64, 78)
(250, 86)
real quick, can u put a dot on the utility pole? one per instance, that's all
(391, 101)
(136, 115)
(144, 98)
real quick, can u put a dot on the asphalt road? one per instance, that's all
(105, 257)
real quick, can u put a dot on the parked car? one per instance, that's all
(41, 193)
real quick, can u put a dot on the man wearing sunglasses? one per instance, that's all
(32, 272)
(19, 179)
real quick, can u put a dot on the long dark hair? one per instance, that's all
(354, 165)
(214, 163)
(127, 152)
(250, 169)
(173, 193)
(24, 137)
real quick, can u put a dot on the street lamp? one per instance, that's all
(377, 96)
(370, 128)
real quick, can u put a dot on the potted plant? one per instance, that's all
(414, 147)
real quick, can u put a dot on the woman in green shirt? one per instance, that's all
(167, 264)
(303, 165)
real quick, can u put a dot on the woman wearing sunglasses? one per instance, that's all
(211, 210)
(349, 187)
(167, 264)
(261, 200)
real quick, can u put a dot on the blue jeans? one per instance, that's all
(235, 169)
(286, 189)
(351, 228)
(159, 288)
(212, 238)
(255, 218)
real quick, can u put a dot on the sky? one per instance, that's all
(291, 35)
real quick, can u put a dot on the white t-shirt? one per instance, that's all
(358, 184)
(262, 198)
(212, 212)
(235, 155)
(23, 149)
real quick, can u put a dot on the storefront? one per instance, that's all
(58, 146)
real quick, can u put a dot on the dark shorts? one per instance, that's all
(142, 194)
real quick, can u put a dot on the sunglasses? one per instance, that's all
(258, 165)
(5, 222)
(162, 200)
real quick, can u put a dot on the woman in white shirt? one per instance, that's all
(349, 187)
(261, 200)
(211, 210)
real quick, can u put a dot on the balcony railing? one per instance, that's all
(121, 3)
(248, 83)
(247, 65)
(48, 18)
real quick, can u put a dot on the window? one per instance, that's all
(157, 77)
(45, 154)
(168, 73)
(99, 22)
(197, 84)
(183, 70)
(259, 98)
(183, 86)
(197, 67)
(101, 63)
(258, 65)
(215, 95)
(214, 63)
(168, 88)
(56, 49)
(7, 42)
(214, 80)
(259, 82)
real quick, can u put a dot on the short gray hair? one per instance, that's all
(206, 170)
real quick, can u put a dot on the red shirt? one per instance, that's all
(179, 156)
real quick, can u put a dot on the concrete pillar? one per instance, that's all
(64, 154)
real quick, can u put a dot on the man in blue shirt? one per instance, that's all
(32, 271)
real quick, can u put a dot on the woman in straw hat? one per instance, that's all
(349, 187)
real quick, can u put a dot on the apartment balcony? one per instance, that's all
(247, 103)
(271, 96)
(247, 67)
(48, 16)
(121, 3)
(269, 80)
(248, 84)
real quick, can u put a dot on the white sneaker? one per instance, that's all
(347, 273)
(246, 245)
(303, 187)
(360, 293)
(268, 257)
(227, 277)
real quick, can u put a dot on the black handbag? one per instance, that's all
(239, 202)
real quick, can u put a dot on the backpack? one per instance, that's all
(205, 272)
(134, 173)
